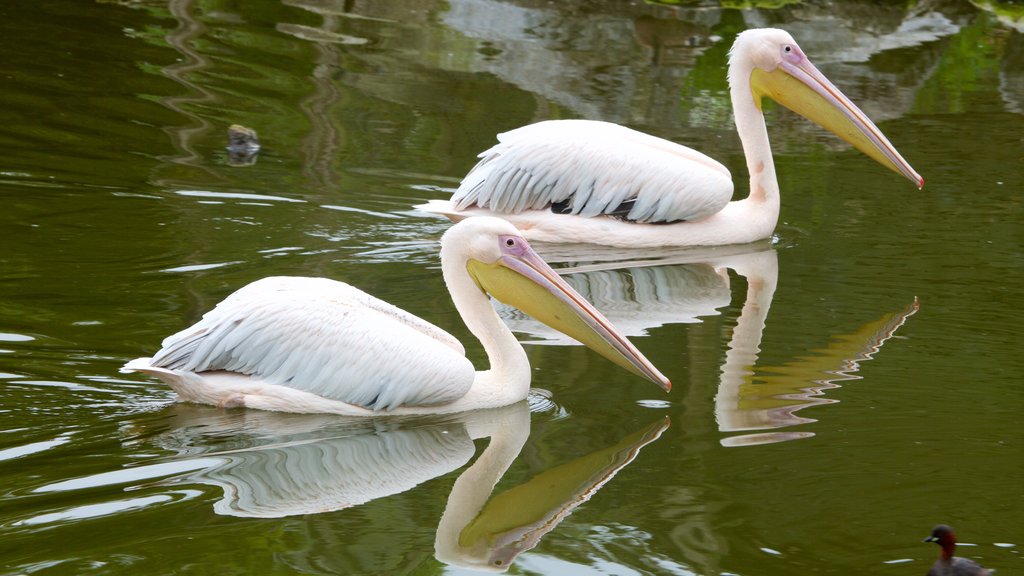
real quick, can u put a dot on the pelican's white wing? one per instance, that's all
(327, 338)
(592, 168)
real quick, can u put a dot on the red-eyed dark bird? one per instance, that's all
(947, 564)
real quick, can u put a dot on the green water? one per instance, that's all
(837, 392)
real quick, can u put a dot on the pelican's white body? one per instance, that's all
(298, 344)
(311, 343)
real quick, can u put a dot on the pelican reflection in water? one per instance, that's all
(324, 465)
(688, 285)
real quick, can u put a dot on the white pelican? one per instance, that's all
(316, 345)
(595, 182)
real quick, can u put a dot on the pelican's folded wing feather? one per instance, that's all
(327, 338)
(593, 168)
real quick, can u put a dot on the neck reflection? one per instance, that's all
(689, 285)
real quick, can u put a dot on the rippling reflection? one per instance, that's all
(682, 288)
(770, 396)
(315, 464)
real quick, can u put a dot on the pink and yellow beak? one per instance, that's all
(522, 279)
(798, 85)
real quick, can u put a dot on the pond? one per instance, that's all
(838, 390)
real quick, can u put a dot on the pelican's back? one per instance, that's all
(592, 168)
(327, 338)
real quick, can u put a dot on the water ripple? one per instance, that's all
(130, 475)
(89, 511)
(60, 384)
(33, 448)
(200, 267)
(236, 196)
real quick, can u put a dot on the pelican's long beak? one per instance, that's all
(798, 85)
(522, 279)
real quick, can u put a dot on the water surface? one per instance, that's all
(838, 390)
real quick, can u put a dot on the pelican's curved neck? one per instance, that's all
(764, 186)
(508, 379)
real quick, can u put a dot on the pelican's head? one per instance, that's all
(502, 264)
(771, 63)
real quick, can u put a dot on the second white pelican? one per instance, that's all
(595, 182)
(316, 345)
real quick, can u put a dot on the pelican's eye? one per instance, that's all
(512, 245)
(791, 54)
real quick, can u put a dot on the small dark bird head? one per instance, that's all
(942, 535)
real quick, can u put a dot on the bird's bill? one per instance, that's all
(800, 87)
(522, 279)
